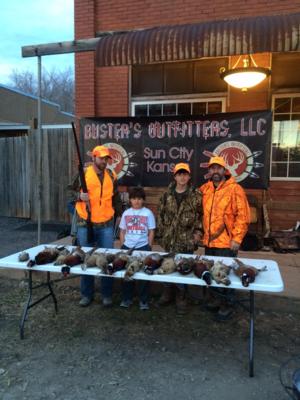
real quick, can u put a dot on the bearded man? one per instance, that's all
(226, 216)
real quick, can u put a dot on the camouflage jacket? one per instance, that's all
(176, 225)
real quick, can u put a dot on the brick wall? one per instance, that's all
(112, 91)
(84, 62)
(128, 14)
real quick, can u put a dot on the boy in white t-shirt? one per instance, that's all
(137, 230)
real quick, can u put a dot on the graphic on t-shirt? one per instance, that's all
(136, 224)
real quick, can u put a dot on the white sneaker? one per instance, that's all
(126, 303)
(85, 301)
(107, 301)
(144, 306)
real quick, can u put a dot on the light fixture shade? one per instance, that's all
(245, 78)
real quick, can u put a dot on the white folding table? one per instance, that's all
(267, 281)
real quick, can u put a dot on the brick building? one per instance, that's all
(134, 75)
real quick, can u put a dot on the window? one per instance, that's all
(285, 153)
(177, 78)
(177, 107)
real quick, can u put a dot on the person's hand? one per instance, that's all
(84, 197)
(234, 246)
(197, 237)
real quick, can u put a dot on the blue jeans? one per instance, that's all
(143, 286)
(103, 237)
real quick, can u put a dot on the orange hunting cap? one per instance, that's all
(217, 160)
(181, 166)
(100, 151)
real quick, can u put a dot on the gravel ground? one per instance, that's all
(97, 353)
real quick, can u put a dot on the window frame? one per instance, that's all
(281, 178)
(178, 99)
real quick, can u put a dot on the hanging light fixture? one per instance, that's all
(244, 77)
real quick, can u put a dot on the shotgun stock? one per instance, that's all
(89, 224)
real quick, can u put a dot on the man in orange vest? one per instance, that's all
(226, 215)
(104, 202)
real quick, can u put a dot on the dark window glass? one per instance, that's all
(281, 117)
(295, 117)
(141, 110)
(155, 109)
(147, 79)
(169, 109)
(282, 105)
(184, 109)
(214, 107)
(296, 104)
(199, 108)
(279, 170)
(178, 78)
(294, 170)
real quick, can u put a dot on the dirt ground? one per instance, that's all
(97, 353)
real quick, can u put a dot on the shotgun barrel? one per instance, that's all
(89, 224)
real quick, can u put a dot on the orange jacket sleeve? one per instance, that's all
(241, 213)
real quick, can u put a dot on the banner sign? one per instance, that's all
(145, 150)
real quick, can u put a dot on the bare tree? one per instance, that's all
(57, 85)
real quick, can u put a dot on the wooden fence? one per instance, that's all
(19, 173)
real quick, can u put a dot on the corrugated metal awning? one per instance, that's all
(278, 33)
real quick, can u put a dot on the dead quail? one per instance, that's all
(24, 256)
(134, 265)
(220, 272)
(167, 267)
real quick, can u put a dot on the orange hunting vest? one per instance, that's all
(100, 197)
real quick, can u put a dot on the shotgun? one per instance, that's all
(89, 224)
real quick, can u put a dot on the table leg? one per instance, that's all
(27, 306)
(51, 291)
(29, 303)
(251, 335)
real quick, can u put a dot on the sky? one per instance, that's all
(31, 22)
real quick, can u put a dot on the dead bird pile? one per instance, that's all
(108, 263)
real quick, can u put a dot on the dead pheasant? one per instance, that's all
(75, 258)
(119, 262)
(153, 261)
(209, 263)
(62, 256)
(201, 270)
(220, 272)
(167, 267)
(133, 265)
(46, 256)
(96, 259)
(186, 265)
(246, 273)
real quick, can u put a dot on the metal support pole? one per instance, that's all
(39, 150)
